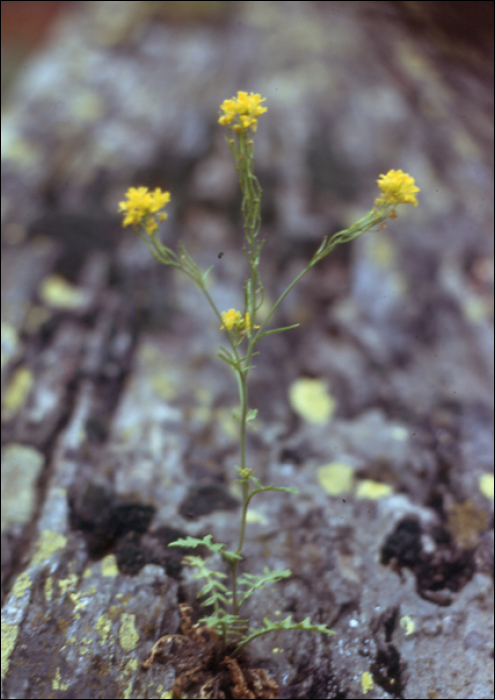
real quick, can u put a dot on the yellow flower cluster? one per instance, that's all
(397, 188)
(234, 320)
(143, 207)
(242, 112)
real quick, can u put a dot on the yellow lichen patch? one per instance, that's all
(16, 393)
(21, 469)
(476, 308)
(486, 485)
(374, 490)
(383, 251)
(407, 624)
(128, 674)
(103, 626)
(367, 682)
(87, 106)
(78, 601)
(48, 589)
(109, 566)
(253, 516)
(228, 424)
(9, 638)
(399, 433)
(200, 414)
(22, 585)
(57, 683)
(47, 544)
(336, 478)
(163, 386)
(57, 293)
(310, 399)
(21, 151)
(67, 584)
(128, 635)
(148, 354)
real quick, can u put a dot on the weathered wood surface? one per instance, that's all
(116, 416)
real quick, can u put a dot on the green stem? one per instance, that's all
(243, 395)
(242, 376)
(371, 219)
(274, 308)
(251, 193)
(249, 638)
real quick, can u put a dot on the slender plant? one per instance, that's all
(144, 211)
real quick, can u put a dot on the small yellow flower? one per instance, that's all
(247, 322)
(234, 321)
(397, 188)
(242, 112)
(143, 207)
(230, 319)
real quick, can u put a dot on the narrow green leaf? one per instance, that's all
(287, 624)
(225, 351)
(195, 542)
(278, 330)
(227, 357)
(206, 273)
(254, 581)
(230, 557)
(188, 542)
(214, 599)
(260, 488)
(252, 413)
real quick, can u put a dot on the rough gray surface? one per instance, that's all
(129, 412)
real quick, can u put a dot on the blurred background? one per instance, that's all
(98, 96)
(457, 28)
(24, 26)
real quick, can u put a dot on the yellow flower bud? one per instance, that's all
(397, 188)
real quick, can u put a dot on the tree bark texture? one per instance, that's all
(117, 428)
